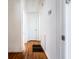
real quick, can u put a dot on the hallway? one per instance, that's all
(35, 29)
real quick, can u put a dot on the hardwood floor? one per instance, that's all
(29, 53)
(18, 55)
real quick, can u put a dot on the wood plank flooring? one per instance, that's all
(28, 54)
(18, 55)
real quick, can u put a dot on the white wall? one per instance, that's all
(14, 26)
(32, 5)
(47, 28)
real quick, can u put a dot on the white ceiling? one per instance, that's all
(32, 5)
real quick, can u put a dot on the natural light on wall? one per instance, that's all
(30, 20)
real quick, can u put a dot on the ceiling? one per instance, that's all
(32, 5)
